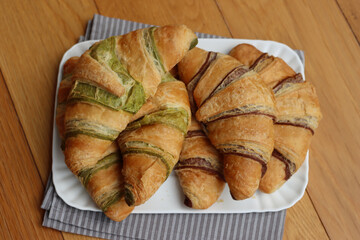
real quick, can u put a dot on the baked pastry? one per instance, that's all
(104, 180)
(298, 114)
(151, 145)
(105, 184)
(200, 169)
(236, 110)
(111, 82)
(63, 93)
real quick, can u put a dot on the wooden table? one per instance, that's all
(35, 34)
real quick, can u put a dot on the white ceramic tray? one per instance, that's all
(169, 198)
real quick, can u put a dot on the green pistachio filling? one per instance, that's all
(86, 174)
(167, 77)
(104, 52)
(88, 93)
(109, 199)
(129, 195)
(151, 48)
(92, 129)
(141, 144)
(175, 117)
(193, 43)
(157, 154)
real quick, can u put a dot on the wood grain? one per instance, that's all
(296, 227)
(37, 35)
(202, 16)
(351, 11)
(72, 236)
(21, 189)
(332, 64)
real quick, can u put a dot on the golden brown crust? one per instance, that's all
(256, 133)
(90, 70)
(299, 101)
(192, 62)
(131, 50)
(274, 177)
(274, 70)
(119, 211)
(292, 142)
(201, 188)
(70, 65)
(177, 37)
(242, 175)
(213, 76)
(83, 151)
(245, 53)
(249, 91)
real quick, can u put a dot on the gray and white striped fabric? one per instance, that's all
(60, 216)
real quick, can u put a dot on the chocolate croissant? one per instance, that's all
(200, 169)
(104, 180)
(111, 82)
(151, 145)
(236, 110)
(298, 114)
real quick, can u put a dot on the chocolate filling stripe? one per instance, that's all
(260, 58)
(232, 76)
(211, 56)
(198, 163)
(238, 150)
(194, 133)
(263, 164)
(296, 125)
(235, 113)
(290, 166)
(297, 78)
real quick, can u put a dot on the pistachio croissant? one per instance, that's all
(151, 145)
(104, 180)
(200, 169)
(298, 114)
(111, 82)
(236, 109)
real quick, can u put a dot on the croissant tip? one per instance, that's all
(232, 196)
(187, 202)
(129, 197)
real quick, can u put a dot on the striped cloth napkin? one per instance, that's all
(60, 216)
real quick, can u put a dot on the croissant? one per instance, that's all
(236, 110)
(103, 181)
(199, 170)
(111, 82)
(298, 114)
(151, 145)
